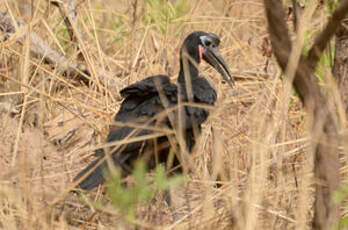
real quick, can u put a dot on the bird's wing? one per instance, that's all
(142, 100)
(203, 91)
(141, 104)
(146, 87)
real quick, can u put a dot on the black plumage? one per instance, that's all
(145, 103)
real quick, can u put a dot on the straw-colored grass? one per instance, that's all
(256, 138)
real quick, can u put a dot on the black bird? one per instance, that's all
(146, 100)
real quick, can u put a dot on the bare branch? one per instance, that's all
(324, 133)
(63, 64)
(68, 11)
(324, 37)
(281, 43)
(297, 12)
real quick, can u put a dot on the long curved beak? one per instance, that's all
(214, 58)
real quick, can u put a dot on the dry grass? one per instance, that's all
(256, 138)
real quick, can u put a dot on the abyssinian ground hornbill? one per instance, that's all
(152, 104)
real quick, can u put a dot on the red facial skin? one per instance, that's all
(200, 51)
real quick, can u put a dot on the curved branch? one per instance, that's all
(324, 37)
(324, 132)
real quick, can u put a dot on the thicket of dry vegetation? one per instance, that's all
(59, 92)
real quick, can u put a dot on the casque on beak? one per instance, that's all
(213, 57)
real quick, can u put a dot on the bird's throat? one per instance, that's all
(187, 70)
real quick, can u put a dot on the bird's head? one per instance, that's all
(205, 46)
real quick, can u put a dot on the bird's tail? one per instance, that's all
(94, 178)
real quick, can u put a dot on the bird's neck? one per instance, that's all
(187, 68)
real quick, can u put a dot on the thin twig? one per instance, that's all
(68, 11)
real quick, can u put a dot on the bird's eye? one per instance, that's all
(207, 43)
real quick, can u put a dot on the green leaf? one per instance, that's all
(343, 223)
(126, 200)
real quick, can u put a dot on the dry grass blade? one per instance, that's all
(257, 142)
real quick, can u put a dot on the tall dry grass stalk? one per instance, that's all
(256, 141)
